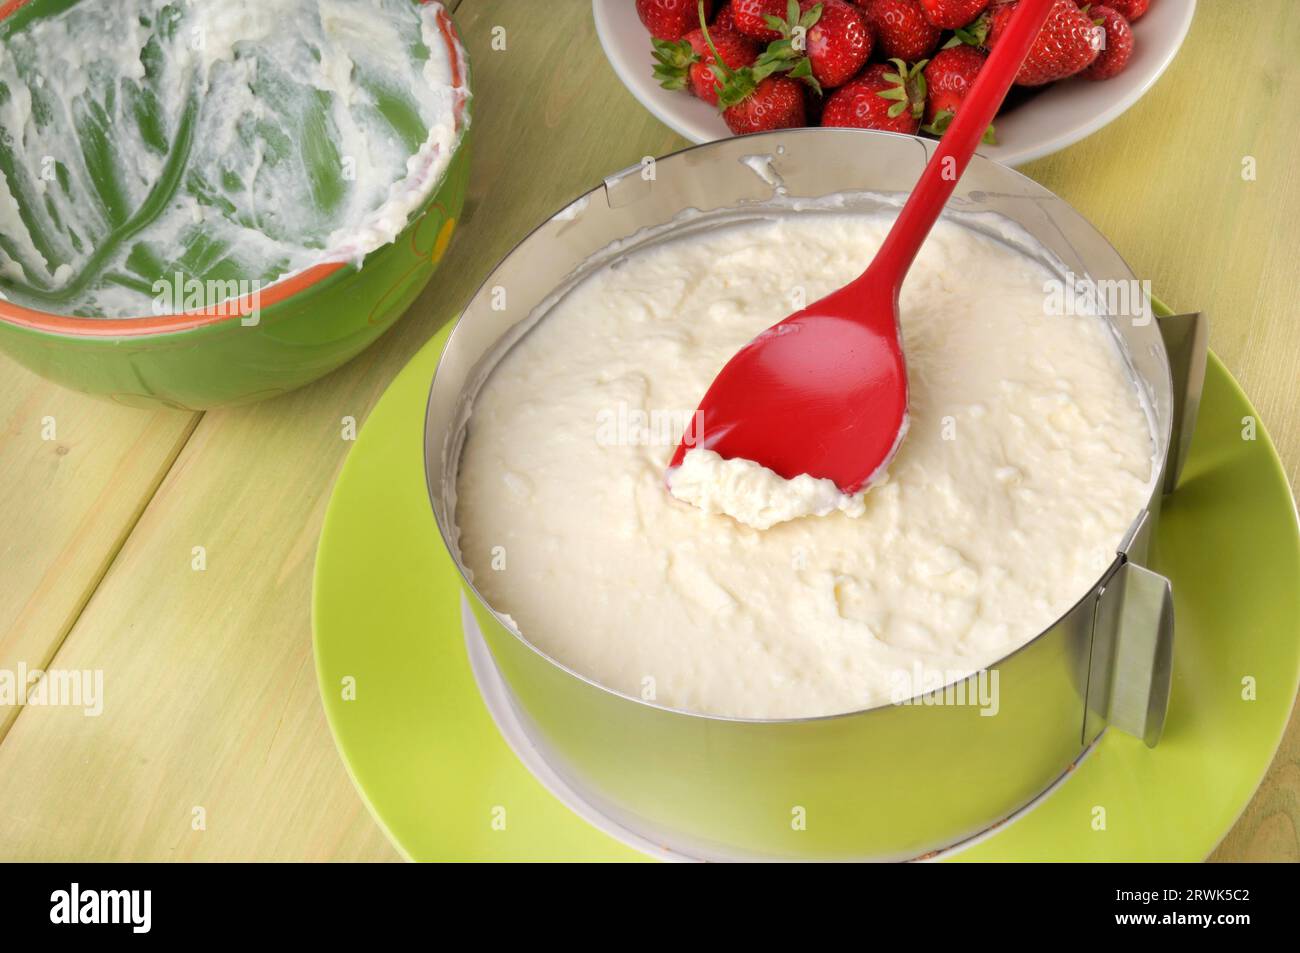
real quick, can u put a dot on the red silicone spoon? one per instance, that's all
(824, 392)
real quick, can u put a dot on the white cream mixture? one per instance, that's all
(1028, 456)
(226, 139)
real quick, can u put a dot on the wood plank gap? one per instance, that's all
(11, 715)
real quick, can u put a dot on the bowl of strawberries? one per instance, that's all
(716, 68)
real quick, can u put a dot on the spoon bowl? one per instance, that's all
(822, 392)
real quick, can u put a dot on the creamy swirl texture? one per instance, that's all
(222, 140)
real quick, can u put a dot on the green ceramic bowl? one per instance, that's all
(307, 325)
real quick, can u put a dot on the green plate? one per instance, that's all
(428, 759)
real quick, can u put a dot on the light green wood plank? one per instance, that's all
(75, 473)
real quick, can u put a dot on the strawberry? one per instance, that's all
(670, 19)
(951, 14)
(1065, 46)
(751, 98)
(688, 62)
(838, 43)
(823, 41)
(724, 20)
(1131, 10)
(750, 17)
(948, 79)
(886, 96)
(735, 50)
(902, 31)
(1117, 47)
(775, 102)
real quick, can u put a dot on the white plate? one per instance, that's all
(1057, 117)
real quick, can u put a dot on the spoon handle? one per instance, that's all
(958, 144)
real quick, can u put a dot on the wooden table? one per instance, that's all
(213, 744)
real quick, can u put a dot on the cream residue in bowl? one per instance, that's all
(245, 140)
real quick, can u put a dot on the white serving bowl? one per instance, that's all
(1057, 117)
